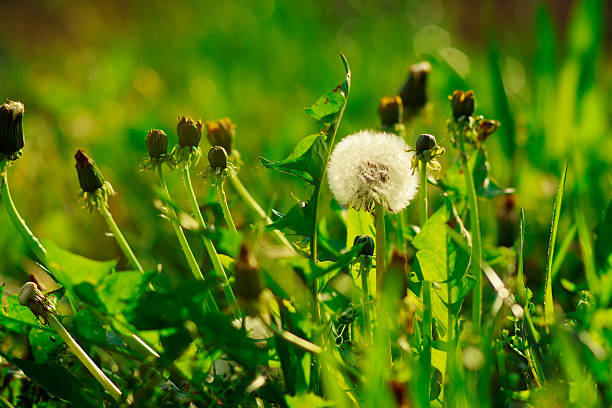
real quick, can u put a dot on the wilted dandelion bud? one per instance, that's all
(249, 283)
(11, 129)
(369, 168)
(217, 157)
(463, 104)
(425, 142)
(368, 244)
(414, 91)
(157, 143)
(390, 110)
(189, 132)
(32, 297)
(486, 127)
(90, 177)
(221, 132)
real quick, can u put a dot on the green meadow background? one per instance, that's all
(99, 74)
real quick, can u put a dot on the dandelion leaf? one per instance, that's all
(328, 108)
(15, 317)
(306, 161)
(299, 220)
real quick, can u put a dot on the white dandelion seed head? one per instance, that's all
(370, 167)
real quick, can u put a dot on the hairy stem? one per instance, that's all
(28, 236)
(381, 245)
(364, 271)
(180, 235)
(223, 201)
(423, 194)
(85, 359)
(210, 248)
(476, 258)
(125, 247)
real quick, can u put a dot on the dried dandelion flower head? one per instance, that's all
(369, 168)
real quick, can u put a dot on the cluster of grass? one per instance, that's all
(459, 302)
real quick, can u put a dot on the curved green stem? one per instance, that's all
(28, 236)
(85, 359)
(381, 246)
(223, 201)
(423, 194)
(210, 248)
(250, 201)
(125, 247)
(476, 261)
(180, 235)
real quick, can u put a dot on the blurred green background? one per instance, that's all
(99, 75)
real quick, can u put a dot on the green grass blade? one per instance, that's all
(522, 290)
(549, 311)
(563, 249)
(586, 246)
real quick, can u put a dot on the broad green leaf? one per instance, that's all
(118, 290)
(307, 159)
(71, 269)
(431, 244)
(57, 381)
(44, 344)
(549, 311)
(87, 328)
(299, 220)
(358, 223)
(328, 108)
(15, 317)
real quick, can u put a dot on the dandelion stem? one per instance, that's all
(364, 271)
(123, 244)
(381, 245)
(475, 233)
(26, 233)
(210, 248)
(427, 333)
(223, 201)
(85, 359)
(250, 201)
(180, 235)
(423, 194)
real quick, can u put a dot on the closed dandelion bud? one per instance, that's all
(90, 177)
(414, 91)
(463, 104)
(425, 142)
(157, 143)
(32, 297)
(390, 110)
(11, 128)
(368, 244)
(217, 157)
(189, 132)
(486, 127)
(221, 132)
(249, 283)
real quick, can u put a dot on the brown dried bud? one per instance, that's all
(217, 157)
(189, 132)
(11, 128)
(90, 177)
(486, 127)
(249, 283)
(463, 104)
(390, 110)
(221, 132)
(414, 91)
(32, 297)
(157, 143)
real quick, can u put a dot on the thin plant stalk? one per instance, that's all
(121, 241)
(256, 208)
(381, 245)
(427, 313)
(180, 235)
(223, 202)
(26, 233)
(210, 248)
(85, 359)
(476, 258)
(364, 271)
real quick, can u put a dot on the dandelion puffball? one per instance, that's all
(368, 168)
